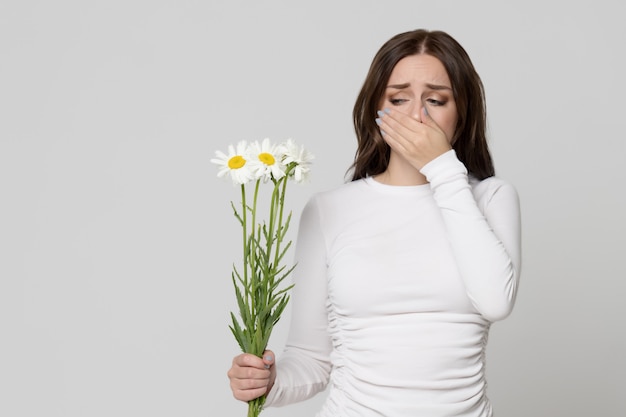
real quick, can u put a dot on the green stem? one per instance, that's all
(281, 205)
(272, 221)
(244, 217)
(253, 326)
(255, 406)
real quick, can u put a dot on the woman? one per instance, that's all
(401, 271)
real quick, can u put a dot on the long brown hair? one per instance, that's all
(470, 141)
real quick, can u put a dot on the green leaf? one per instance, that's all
(239, 334)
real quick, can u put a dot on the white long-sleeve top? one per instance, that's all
(395, 289)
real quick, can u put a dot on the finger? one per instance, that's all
(386, 124)
(248, 389)
(268, 358)
(402, 123)
(247, 366)
(248, 377)
(429, 121)
(396, 133)
(248, 359)
(247, 395)
(388, 134)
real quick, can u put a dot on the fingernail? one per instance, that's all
(378, 121)
(268, 357)
(425, 111)
(387, 110)
(267, 366)
(382, 132)
(380, 113)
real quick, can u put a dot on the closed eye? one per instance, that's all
(397, 101)
(434, 102)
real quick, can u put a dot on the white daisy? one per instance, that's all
(298, 155)
(236, 163)
(266, 163)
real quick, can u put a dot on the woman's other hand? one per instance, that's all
(251, 376)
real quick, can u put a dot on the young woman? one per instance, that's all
(401, 271)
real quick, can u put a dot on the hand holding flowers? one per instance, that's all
(260, 297)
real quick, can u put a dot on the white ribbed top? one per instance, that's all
(395, 288)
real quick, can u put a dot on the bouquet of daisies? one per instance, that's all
(260, 296)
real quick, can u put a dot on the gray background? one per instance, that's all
(116, 237)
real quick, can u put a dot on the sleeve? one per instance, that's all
(303, 368)
(486, 240)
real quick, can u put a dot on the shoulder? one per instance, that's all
(336, 202)
(341, 194)
(485, 191)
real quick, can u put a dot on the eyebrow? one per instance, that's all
(406, 85)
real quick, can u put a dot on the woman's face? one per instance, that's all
(419, 81)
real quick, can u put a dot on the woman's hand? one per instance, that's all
(419, 142)
(251, 376)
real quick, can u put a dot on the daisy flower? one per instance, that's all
(236, 163)
(298, 155)
(268, 163)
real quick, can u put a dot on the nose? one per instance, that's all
(416, 111)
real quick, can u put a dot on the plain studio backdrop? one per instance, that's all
(117, 238)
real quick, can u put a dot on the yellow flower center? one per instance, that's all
(267, 158)
(236, 162)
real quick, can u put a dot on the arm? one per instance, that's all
(304, 367)
(486, 240)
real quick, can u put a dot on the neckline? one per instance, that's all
(396, 189)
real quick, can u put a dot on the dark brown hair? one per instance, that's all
(470, 141)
